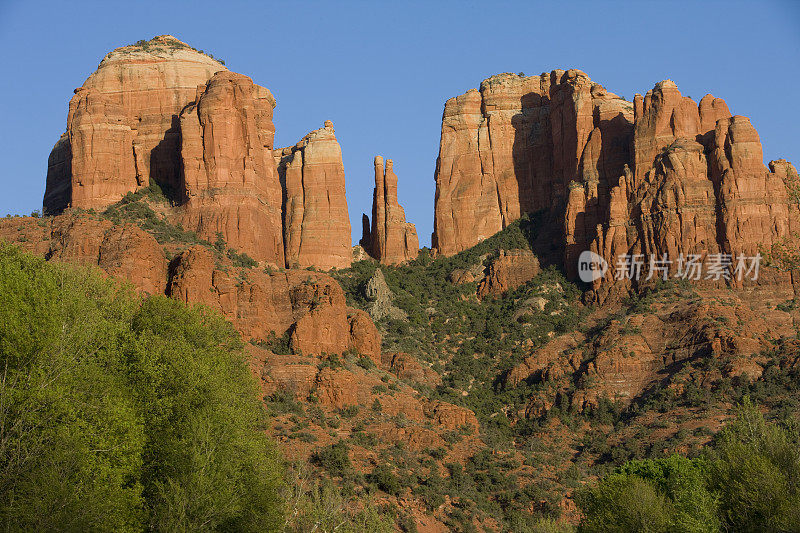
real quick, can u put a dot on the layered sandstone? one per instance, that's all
(662, 176)
(316, 220)
(515, 147)
(307, 306)
(390, 239)
(229, 185)
(626, 357)
(122, 126)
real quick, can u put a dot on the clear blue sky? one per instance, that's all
(382, 72)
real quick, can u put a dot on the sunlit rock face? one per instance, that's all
(659, 175)
(122, 126)
(316, 222)
(390, 239)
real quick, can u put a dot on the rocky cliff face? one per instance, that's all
(308, 306)
(229, 183)
(698, 186)
(161, 111)
(316, 221)
(390, 239)
(122, 127)
(515, 146)
(661, 175)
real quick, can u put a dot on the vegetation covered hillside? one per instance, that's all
(548, 431)
(520, 410)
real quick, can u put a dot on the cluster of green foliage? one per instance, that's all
(134, 207)
(747, 480)
(317, 504)
(333, 458)
(123, 414)
(164, 45)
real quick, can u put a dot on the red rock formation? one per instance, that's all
(364, 336)
(316, 221)
(229, 183)
(754, 202)
(124, 251)
(451, 416)
(58, 187)
(508, 271)
(128, 252)
(122, 125)
(515, 146)
(322, 331)
(662, 175)
(628, 356)
(407, 367)
(294, 374)
(698, 186)
(309, 306)
(162, 110)
(390, 240)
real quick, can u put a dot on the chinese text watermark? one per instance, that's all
(693, 267)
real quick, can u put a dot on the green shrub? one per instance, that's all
(624, 504)
(334, 458)
(385, 479)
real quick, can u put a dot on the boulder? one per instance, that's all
(451, 416)
(511, 269)
(378, 292)
(407, 367)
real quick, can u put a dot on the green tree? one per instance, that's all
(625, 504)
(335, 458)
(651, 495)
(682, 481)
(207, 462)
(755, 468)
(118, 414)
(70, 435)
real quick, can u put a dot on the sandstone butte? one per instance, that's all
(660, 175)
(122, 126)
(316, 221)
(161, 111)
(390, 239)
